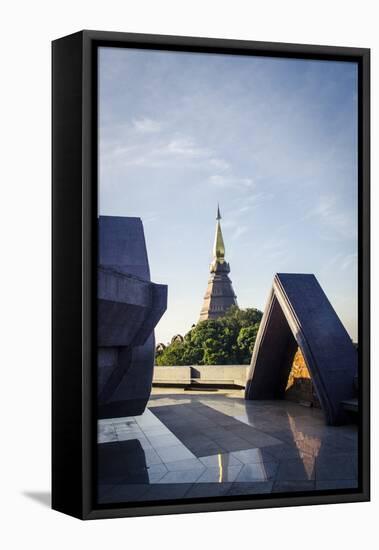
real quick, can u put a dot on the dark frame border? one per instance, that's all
(74, 177)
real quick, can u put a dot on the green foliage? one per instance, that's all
(246, 338)
(171, 355)
(228, 340)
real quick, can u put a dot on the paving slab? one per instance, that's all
(157, 450)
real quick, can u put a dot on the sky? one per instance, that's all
(272, 140)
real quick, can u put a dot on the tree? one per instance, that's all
(244, 317)
(246, 340)
(171, 355)
(227, 340)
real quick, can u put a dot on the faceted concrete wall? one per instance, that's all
(129, 307)
(122, 245)
(298, 313)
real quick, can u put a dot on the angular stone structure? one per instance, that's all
(219, 295)
(298, 314)
(129, 307)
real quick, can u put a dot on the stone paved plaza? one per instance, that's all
(190, 444)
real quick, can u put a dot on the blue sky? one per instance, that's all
(274, 141)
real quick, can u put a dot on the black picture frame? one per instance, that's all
(74, 207)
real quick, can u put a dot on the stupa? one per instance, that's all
(219, 296)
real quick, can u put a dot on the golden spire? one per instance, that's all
(218, 247)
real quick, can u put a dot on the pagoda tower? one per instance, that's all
(220, 294)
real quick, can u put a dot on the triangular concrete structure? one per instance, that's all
(298, 314)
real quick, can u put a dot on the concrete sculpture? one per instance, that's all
(298, 314)
(129, 307)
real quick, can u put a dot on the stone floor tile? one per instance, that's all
(124, 493)
(156, 472)
(125, 436)
(332, 484)
(284, 436)
(186, 464)
(226, 420)
(336, 467)
(187, 430)
(164, 440)
(174, 453)
(201, 445)
(339, 446)
(194, 429)
(106, 438)
(151, 457)
(106, 429)
(258, 438)
(293, 486)
(251, 488)
(155, 430)
(233, 443)
(264, 471)
(220, 460)
(126, 433)
(255, 455)
(219, 474)
(182, 476)
(296, 469)
(282, 451)
(206, 490)
(168, 491)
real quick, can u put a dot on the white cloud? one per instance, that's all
(164, 151)
(150, 217)
(349, 261)
(185, 147)
(275, 250)
(239, 230)
(230, 181)
(329, 212)
(146, 125)
(219, 164)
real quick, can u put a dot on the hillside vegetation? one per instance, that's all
(228, 340)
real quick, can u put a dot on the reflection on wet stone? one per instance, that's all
(203, 445)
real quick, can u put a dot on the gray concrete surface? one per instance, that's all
(190, 444)
(202, 374)
(129, 307)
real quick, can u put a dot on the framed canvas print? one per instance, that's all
(210, 274)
